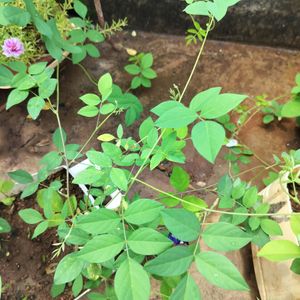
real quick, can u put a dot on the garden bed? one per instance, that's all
(27, 268)
(27, 141)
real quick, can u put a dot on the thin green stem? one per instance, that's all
(140, 170)
(181, 97)
(56, 112)
(91, 137)
(215, 210)
(88, 75)
(197, 59)
(124, 230)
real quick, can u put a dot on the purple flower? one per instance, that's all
(13, 47)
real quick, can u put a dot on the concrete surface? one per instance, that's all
(237, 68)
(264, 22)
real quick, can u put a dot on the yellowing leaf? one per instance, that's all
(131, 52)
(47, 106)
(106, 137)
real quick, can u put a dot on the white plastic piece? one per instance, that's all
(116, 196)
(232, 143)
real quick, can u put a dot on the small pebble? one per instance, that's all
(201, 183)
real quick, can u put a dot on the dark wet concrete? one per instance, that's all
(237, 68)
(264, 22)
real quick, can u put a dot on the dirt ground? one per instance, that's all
(237, 68)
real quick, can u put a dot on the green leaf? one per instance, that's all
(238, 189)
(59, 138)
(183, 224)
(173, 262)
(142, 211)
(120, 131)
(147, 241)
(268, 119)
(47, 88)
(56, 290)
(193, 203)
(220, 271)
(295, 224)
(74, 236)
(78, 57)
(6, 76)
(41, 228)
(133, 69)
(147, 61)
(99, 159)
(90, 99)
(105, 86)
(88, 111)
(136, 82)
(107, 108)
(35, 106)
(80, 8)
(15, 97)
(208, 138)
(95, 36)
(295, 266)
(101, 248)
(239, 219)
(77, 36)
(220, 105)
(263, 208)
(68, 269)
(37, 68)
(270, 227)
(165, 106)
(30, 190)
(119, 178)
(149, 73)
(92, 50)
(280, 250)
(21, 176)
(225, 237)
(187, 289)
(77, 286)
(4, 226)
(146, 82)
(176, 117)
(43, 27)
(250, 197)
(254, 223)
(218, 9)
(156, 159)
(51, 160)
(6, 186)
(224, 192)
(180, 179)
(98, 221)
(200, 99)
(291, 109)
(11, 15)
(30, 216)
(132, 282)
(197, 8)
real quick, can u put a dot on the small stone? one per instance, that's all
(201, 184)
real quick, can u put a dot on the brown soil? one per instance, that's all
(26, 265)
(295, 205)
